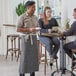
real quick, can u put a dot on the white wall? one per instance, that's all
(71, 6)
(7, 11)
(64, 13)
(7, 16)
(67, 7)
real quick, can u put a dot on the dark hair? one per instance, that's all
(74, 9)
(44, 17)
(29, 3)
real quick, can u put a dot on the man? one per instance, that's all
(72, 31)
(29, 52)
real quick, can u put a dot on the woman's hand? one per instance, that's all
(49, 31)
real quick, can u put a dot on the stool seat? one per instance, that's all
(13, 35)
(13, 38)
(74, 61)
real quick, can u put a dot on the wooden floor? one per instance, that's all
(10, 68)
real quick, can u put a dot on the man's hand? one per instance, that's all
(60, 32)
(38, 28)
(34, 29)
(22, 29)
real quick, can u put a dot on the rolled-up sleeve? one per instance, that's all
(20, 22)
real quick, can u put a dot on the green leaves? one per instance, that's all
(20, 9)
(67, 24)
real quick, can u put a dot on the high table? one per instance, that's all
(62, 69)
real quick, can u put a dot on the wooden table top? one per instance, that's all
(51, 34)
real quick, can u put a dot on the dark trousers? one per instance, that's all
(31, 74)
(68, 48)
(49, 42)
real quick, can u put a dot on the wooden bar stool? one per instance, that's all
(45, 55)
(13, 38)
(73, 61)
(38, 44)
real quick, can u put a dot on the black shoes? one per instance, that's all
(22, 74)
(56, 57)
(52, 60)
(32, 74)
(51, 64)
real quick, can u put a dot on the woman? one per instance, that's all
(46, 23)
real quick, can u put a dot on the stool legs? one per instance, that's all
(45, 62)
(38, 52)
(72, 63)
(13, 48)
(7, 48)
(19, 48)
(57, 65)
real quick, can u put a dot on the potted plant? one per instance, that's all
(67, 24)
(20, 9)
